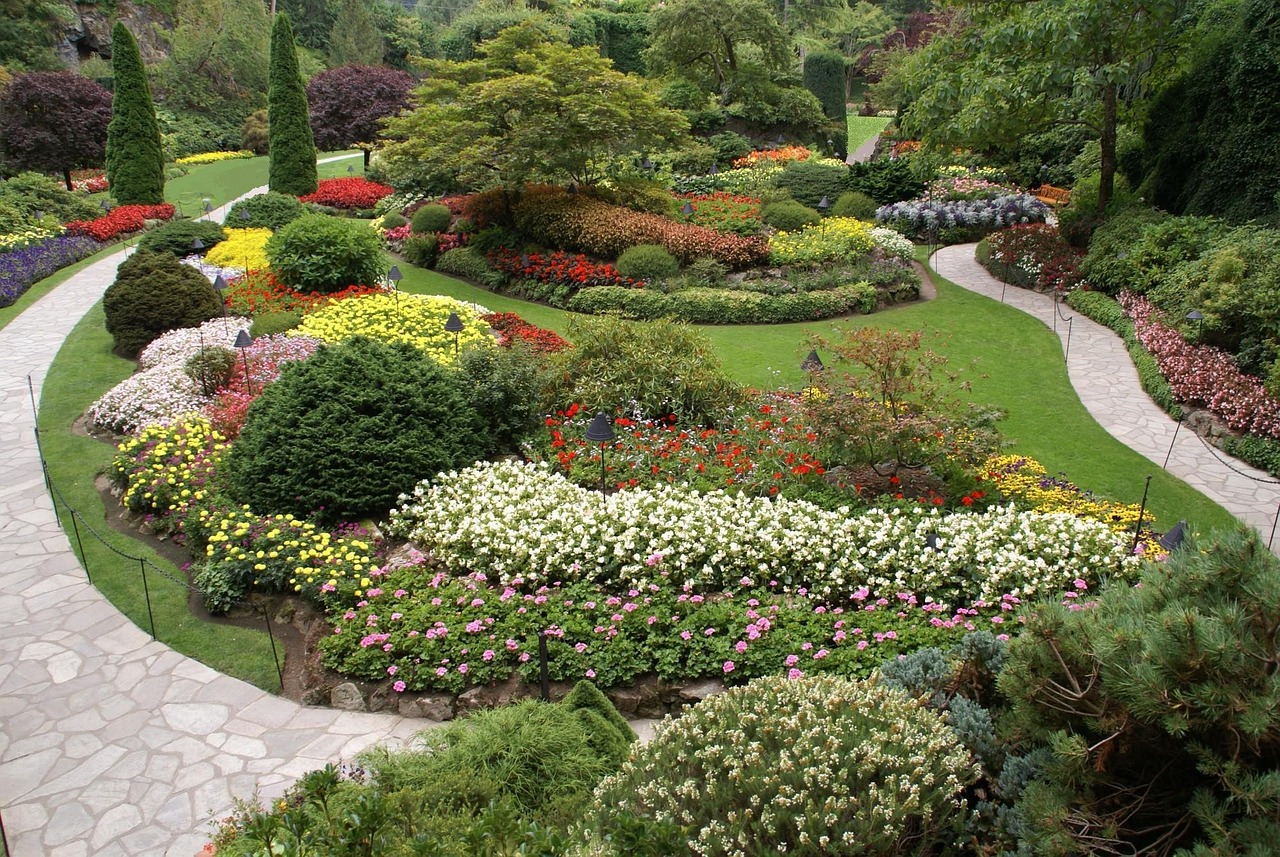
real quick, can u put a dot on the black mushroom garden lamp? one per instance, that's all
(454, 326)
(243, 341)
(600, 431)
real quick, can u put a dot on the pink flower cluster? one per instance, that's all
(1204, 376)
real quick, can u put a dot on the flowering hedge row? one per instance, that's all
(511, 327)
(213, 157)
(969, 219)
(353, 192)
(1034, 256)
(121, 220)
(519, 520)
(560, 267)
(22, 268)
(552, 217)
(416, 319)
(1203, 375)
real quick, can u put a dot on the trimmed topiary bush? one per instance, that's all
(812, 765)
(392, 220)
(647, 262)
(789, 215)
(344, 433)
(154, 293)
(855, 203)
(135, 156)
(268, 210)
(176, 237)
(432, 217)
(319, 253)
(810, 181)
(292, 146)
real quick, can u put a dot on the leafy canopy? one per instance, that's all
(529, 108)
(54, 121)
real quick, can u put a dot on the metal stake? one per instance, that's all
(146, 590)
(542, 666)
(266, 614)
(1171, 443)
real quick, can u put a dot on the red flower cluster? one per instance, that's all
(93, 184)
(773, 156)
(511, 327)
(352, 192)
(725, 212)
(555, 218)
(1037, 253)
(259, 291)
(121, 220)
(558, 267)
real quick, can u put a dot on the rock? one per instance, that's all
(313, 696)
(644, 696)
(380, 699)
(347, 697)
(700, 690)
(438, 707)
(492, 696)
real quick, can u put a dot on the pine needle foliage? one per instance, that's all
(292, 147)
(135, 155)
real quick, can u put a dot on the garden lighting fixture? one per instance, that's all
(600, 431)
(454, 325)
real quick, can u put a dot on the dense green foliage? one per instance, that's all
(886, 181)
(215, 73)
(789, 215)
(697, 305)
(421, 249)
(268, 210)
(855, 203)
(647, 262)
(271, 323)
(178, 237)
(810, 181)
(135, 157)
(347, 431)
(319, 253)
(432, 217)
(508, 387)
(53, 122)
(658, 369)
(824, 76)
(292, 147)
(22, 195)
(154, 293)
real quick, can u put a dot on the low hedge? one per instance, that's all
(724, 306)
(1107, 312)
(1261, 452)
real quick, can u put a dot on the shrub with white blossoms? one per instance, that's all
(176, 347)
(815, 765)
(156, 395)
(893, 243)
(511, 520)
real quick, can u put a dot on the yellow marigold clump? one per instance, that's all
(244, 248)
(164, 468)
(29, 235)
(1025, 479)
(213, 157)
(834, 238)
(416, 319)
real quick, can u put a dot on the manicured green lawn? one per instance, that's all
(1011, 360)
(864, 128)
(223, 181)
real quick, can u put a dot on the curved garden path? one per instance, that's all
(1107, 382)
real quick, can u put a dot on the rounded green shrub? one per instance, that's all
(467, 262)
(345, 432)
(154, 293)
(507, 387)
(432, 217)
(706, 272)
(254, 135)
(211, 368)
(393, 220)
(274, 322)
(812, 765)
(647, 262)
(420, 249)
(810, 181)
(268, 210)
(177, 237)
(857, 204)
(789, 215)
(319, 253)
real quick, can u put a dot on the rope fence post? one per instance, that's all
(146, 591)
(4, 837)
(75, 528)
(266, 615)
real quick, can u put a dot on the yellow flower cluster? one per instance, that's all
(399, 317)
(833, 238)
(282, 551)
(28, 236)
(213, 157)
(1023, 478)
(164, 468)
(244, 248)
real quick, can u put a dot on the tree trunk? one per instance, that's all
(1106, 187)
(66, 177)
(368, 152)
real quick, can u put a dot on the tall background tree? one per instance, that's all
(293, 149)
(135, 157)
(28, 31)
(355, 40)
(54, 121)
(348, 104)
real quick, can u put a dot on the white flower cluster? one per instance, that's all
(893, 243)
(510, 520)
(818, 765)
(176, 347)
(156, 395)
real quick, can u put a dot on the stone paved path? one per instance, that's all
(1107, 383)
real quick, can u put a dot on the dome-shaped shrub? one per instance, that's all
(855, 204)
(351, 428)
(820, 765)
(432, 217)
(789, 215)
(319, 253)
(268, 210)
(154, 293)
(647, 262)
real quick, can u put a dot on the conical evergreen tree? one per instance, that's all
(292, 147)
(135, 156)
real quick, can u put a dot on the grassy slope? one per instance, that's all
(864, 128)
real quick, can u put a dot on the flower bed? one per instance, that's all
(243, 248)
(439, 632)
(214, 157)
(22, 268)
(30, 236)
(1022, 478)
(511, 327)
(165, 466)
(961, 220)
(354, 192)
(156, 395)
(1033, 256)
(725, 212)
(780, 155)
(93, 184)
(121, 220)
(514, 520)
(416, 319)
(259, 291)
(573, 270)
(833, 238)
(1204, 376)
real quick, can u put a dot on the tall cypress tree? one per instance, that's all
(135, 156)
(292, 147)
(824, 77)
